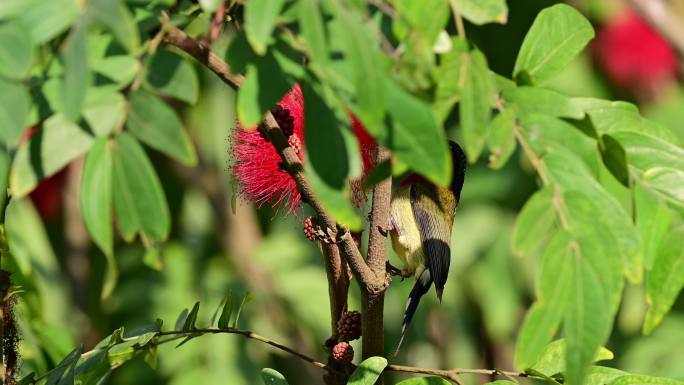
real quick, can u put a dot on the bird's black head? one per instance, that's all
(459, 162)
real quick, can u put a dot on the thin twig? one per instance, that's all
(460, 29)
(660, 15)
(174, 335)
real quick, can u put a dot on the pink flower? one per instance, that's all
(257, 165)
(633, 55)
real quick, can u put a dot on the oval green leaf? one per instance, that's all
(158, 126)
(368, 371)
(557, 35)
(139, 201)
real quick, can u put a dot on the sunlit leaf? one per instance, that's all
(260, 19)
(501, 141)
(483, 11)
(16, 50)
(170, 75)
(96, 206)
(368, 371)
(139, 201)
(666, 279)
(57, 143)
(476, 103)
(272, 377)
(158, 126)
(557, 35)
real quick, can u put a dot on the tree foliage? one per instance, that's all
(96, 82)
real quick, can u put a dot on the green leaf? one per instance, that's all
(483, 11)
(552, 360)
(169, 74)
(328, 159)
(501, 141)
(245, 300)
(47, 19)
(645, 151)
(121, 353)
(190, 320)
(272, 377)
(76, 79)
(180, 320)
(209, 5)
(14, 109)
(96, 206)
(534, 224)
(544, 133)
(596, 284)
(4, 172)
(139, 201)
(368, 371)
(424, 18)
(601, 375)
(264, 85)
(16, 50)
(666, 279)
(415, 137)
(615, 158)
(432, 380)
(566, 170)
(449, 77)
(635, 379)
(260, 20)
(57, 143)
(363, 64)
(104, 110)
(533, 100)
(158, 126)
(557, 35)
(476, 103)
(224, 318)
(62, 367)
(121, 69)
(653, 218)
(114, 15)
(608, 117)
(552, 290)
(667, 181)
(313, 31)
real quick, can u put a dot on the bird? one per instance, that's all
(421, 218)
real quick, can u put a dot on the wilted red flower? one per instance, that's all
(633, 55)
(257, 166)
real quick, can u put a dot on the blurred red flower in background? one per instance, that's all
(257, 166)
(633, 56)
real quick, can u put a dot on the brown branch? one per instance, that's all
(449, 374)
(661, 17)
(373, 302)
(203, 54)
(338, 283)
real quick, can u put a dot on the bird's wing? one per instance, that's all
(434, 209)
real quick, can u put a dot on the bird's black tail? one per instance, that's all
(421, 287)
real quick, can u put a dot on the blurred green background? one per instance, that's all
(213, 251)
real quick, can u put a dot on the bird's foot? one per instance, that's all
(395, 271)
(384, 231)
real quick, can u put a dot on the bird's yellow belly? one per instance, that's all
(406, 240)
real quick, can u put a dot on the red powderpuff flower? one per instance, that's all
(633, 55)
(257, 165)
(367, 147)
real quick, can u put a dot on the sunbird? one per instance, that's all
(421, 218)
